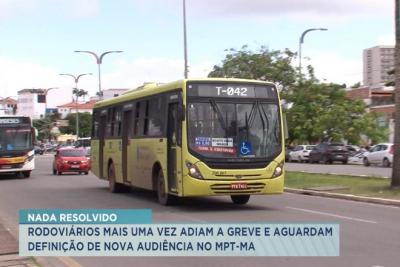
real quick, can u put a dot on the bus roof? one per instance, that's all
(149, 89)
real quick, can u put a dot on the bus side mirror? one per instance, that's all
(285, 127)
(181, 112)
(33, 133)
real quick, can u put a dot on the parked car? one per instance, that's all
(82, 142)
(380, 154)
(353, 150)
(287, 152)
(357, 158)
(39, 150)
(301, 153)
(329, 152)
(71, 160)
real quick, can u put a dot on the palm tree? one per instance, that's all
(396, 158)
(78, 93)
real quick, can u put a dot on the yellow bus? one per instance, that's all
(193, 137)
(17, 137)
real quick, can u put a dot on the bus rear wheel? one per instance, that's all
(113, 186)
(163, 197)
(240, 199)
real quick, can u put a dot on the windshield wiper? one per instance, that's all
(219, 116)
(249, 120)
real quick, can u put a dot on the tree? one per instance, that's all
(45, 125)
(322, 112)
(275, 66)
(396, 157)
(85, 124)
(79, 93)
(319, 111)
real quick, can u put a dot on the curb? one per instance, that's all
(342, 174)
(374, 200)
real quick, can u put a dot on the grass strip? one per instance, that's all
(359, 186)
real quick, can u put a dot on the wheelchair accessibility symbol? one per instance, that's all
(245, 148)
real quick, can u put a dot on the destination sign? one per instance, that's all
(232, 90)
(10, 120)
(14, 120)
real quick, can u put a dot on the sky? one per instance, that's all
(39, 37)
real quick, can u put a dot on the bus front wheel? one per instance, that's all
(240, 199)
(163, 197)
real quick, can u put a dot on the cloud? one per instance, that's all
(134, 73)
(339, 70)
(386, 39)
(70, 8)
(16, 75)
(290, 7)
(11, 8)
(81, 8)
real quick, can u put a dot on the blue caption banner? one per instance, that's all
(125, 237)
(85, 216)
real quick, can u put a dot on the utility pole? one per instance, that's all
(186, 68)
(396, 150)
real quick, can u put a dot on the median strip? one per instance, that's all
(365, 189)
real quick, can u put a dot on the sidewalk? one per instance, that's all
(9, 251)
(15, 261)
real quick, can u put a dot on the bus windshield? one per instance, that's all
(15, 139)
(218, 129)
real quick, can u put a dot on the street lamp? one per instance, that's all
(99, 60)
(76, 79)
(302, 41)
(45, 91)
(185, 41)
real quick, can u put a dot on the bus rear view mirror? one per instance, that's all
(33, 133)
(285, 127)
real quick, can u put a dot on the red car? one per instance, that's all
(71, 160)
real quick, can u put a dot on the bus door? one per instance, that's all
(173, 147)
(127, 125)
(102, 133)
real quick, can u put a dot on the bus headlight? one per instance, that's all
(278, 170)
(193, 171)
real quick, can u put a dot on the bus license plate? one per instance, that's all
(238, 186)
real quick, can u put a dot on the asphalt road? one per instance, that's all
(347, 169)
(369, 233)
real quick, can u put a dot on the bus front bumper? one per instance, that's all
(18, 167)
(199, 187)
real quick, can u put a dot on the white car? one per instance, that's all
(357, 158)
(380, 154)
(301, 153)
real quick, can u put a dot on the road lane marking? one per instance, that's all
(174, 214)
(332, 215)
(69, 262)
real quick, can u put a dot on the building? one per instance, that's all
(379, 100)
(110, 93)
(32, 102)
(8, 106)
(377, 62)
(71, 107)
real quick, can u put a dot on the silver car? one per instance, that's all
(380, 154)
(301, 153)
